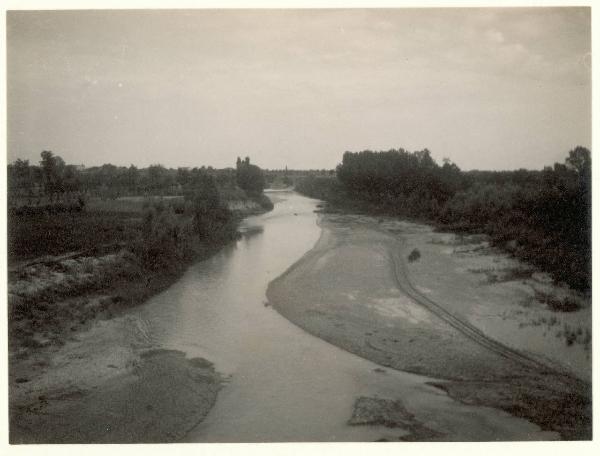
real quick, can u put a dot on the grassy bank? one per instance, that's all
(68, 268)
(33, 236)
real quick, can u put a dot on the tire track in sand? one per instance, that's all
(405, 285)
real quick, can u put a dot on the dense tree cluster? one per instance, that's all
(408, 183)
(249, 177)
(170, 235)
(46, 203)
(542, 216)
(209, 213)
(52, 177)
(547, 215)
(54, 180)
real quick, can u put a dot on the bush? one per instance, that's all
(265, 202)
(546, 214)
(414, 255)
(165, 241)
(319, 187)
(31, 236)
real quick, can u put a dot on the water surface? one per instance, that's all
(284, 384)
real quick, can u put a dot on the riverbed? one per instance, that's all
(278, 382)
(283, 383)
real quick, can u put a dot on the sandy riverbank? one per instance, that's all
(109, 385)
(117, 382)
(364, 310)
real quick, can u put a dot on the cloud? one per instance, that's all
(313, 80)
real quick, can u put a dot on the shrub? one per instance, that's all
(414, 255)
(164, 240)
(265, 202)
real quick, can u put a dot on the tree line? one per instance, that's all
(48, 212)
(52, 179)
(543, 217)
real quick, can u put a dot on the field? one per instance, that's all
(130, 204)
(32, 236)
(67, 267)
(103, 223)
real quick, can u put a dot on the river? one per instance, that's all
(282, 383)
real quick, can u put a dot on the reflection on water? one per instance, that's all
(284, 384)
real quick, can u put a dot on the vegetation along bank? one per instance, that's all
(88, 242)
(542, 217)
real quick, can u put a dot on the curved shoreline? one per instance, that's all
(518, 384)
(63, 390)
(112, 386)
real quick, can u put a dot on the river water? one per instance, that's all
(282, 383)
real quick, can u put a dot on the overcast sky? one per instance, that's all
(487, 88)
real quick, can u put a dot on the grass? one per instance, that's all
(557, 304)
(156, 239)
(565, 257)
(104, 221)
(129, 204)
(32, 236)
(50, 299)
(575, 335)
(499, 275)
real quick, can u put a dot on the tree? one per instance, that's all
(132, 178)
(183, 176)
(52, 172)
(249, 177)
(109, 181)
(71, 181)
(159, 178)
(579, 159)
(209, 214)
(20, 177)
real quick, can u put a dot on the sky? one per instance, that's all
(495, 88)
